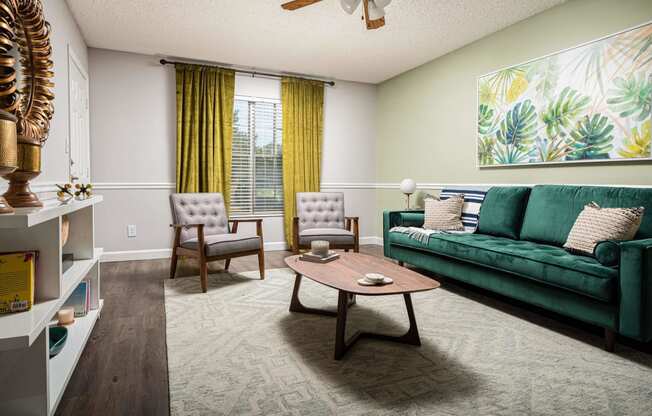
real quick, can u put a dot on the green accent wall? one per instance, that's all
(427, 116)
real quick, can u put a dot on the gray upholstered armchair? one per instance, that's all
(320, 216)
(201, 230)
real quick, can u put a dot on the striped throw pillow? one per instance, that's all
(595, 224)
(471, 209)
(444, 215)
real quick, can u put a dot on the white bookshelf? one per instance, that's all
(31, 383)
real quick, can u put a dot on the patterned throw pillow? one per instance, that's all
(444, 215)
(473, 199)
(595, 224)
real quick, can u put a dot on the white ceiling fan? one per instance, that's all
(374, 10)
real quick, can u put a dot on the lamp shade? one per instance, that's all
(408, 186)
(375, 12)
(349, 6)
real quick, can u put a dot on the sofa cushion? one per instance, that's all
(223, 244)
(595, 224)
(543, 263)
(607, 253)
(444, 214)
(502, 211)
(552, 209)
(332, 235)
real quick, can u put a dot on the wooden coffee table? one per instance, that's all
(342, 275)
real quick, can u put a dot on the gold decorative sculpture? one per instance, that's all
(8, 152)
(22, 24)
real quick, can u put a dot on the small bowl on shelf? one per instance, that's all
(58, 337)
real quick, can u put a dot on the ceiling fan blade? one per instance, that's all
(297, 4)
(372, 24)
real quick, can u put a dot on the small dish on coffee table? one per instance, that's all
(374, 279)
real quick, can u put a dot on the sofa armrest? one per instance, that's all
(399, 218)
(635, 313)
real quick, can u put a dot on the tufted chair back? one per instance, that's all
(200, 208)
(320, 210)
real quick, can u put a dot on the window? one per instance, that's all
(257, 175)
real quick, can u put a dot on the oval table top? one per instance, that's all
(343, 274)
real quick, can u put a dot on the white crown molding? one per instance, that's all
(49, 186)
(489, 185)
(360, 185)
(38, 187)
(171, 185)
(133, 185)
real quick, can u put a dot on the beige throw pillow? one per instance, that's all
(595, 224)
(444, 215)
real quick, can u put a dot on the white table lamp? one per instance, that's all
(408, 186)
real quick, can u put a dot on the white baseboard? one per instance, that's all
(161, 253)
(276, 246)
(371, 241)
(165, 253)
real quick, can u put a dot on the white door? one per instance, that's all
(80, 166)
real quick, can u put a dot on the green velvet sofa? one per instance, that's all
(517, 251)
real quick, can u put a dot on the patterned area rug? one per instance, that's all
(236, 350)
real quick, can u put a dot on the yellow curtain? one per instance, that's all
(303, 106)
(204, 129)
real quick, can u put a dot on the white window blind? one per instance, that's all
(257, 176)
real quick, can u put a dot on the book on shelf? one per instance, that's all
(17, 273)
(79, 300)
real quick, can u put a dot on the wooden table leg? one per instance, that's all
(351, 299)
(297, 306)
(340, 328)
(342, 345)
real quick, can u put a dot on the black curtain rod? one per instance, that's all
(242, 71)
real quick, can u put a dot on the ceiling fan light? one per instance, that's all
(349, 6)
(382, 3)
(374, 11)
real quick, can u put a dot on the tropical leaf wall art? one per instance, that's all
(589, 103)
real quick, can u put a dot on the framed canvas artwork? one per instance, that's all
(585, 104)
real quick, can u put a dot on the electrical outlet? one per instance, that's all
(131, 231)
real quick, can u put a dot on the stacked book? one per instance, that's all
(79, 300)
(17, 274)
(316, 258)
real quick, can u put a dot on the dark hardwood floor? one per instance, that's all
(123, 370)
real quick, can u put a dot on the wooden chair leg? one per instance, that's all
(261, 264)
(173, 260)
(227, 263)
(356, 233)
(173, 263)
(295, 235)
(203, 274)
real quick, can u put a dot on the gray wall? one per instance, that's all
(133, 131)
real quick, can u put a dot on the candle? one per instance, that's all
(319, 248)
(66, 316)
